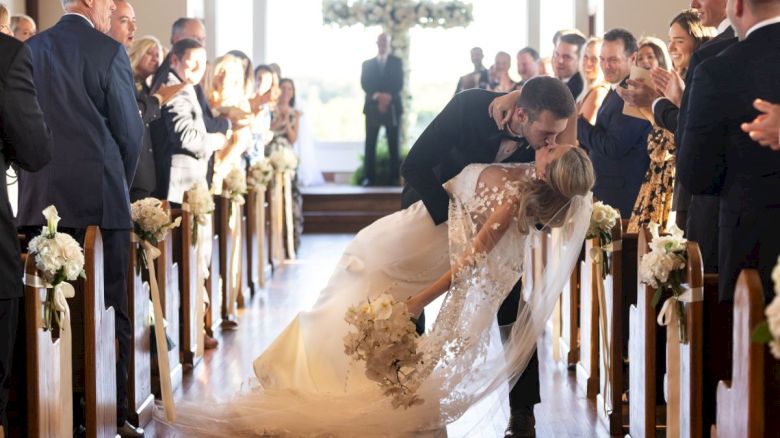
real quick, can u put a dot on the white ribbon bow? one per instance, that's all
(691, 295)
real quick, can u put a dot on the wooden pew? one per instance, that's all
(168, 281)
(44, 386)
(94, 349)
(610, 335)
(214, 282)
(642, 354)
(139, 385)
(186, 258)
(230, 277)
(588, 365)
(258, 266)
(747, 405)
(244, 285)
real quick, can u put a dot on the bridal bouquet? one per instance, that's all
(602, 221)
(59, 258)
(151, 222)
(663, 268)
(386, 340)
(201, 203)
(260, 174)
(283, 159)
(768, 332)
(235, 185)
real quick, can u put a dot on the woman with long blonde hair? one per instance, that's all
(595, 88)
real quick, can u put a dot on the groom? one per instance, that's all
(464, 133)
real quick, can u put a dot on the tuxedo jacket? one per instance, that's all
(25, 142)
(718, 158)
(617, 146)
(575, 85)
(462, 133)
(86, 91)
(390, 79)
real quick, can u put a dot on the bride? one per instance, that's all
(307, 385)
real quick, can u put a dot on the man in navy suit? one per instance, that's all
(382, 78)
(85, 88)
(25, 142)
(718, 158)
(617, 144)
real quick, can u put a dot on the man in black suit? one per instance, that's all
(479, 77)
(382, 78)
(566, 61)
(718, 158)
(87, 94)
(463, 133)
(697, 214)
(25, 142)
(617, 144)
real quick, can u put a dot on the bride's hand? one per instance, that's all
(501, 108)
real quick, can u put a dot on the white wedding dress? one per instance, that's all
(308, 387)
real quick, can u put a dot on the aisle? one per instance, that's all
(562, 414)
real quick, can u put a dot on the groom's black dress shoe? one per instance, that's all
(127, 430)
(521, 423)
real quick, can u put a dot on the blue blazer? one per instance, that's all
(85, 89)
(617, 145)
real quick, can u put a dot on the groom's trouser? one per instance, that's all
(526, 390)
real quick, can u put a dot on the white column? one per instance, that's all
(210, 20)
(535, 25)
(260, 32)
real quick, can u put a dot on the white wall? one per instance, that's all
(642, 17)
(15, 6)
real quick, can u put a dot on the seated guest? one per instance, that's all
(26, 144)
(595, 88)
(183, 146)
(23, 27)
(478, 78)
(501, 82)
(617, 143)
(654, 202)
(527, 64)
(566, 61)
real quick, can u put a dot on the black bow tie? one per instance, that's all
(522, 142)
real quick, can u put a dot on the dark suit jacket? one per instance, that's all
(463, 133)
(483, 83)
(716, 157)
(85, 88)
(617, 146)
(145, 175)
(25, 142)
(390, 80)
(575, 85)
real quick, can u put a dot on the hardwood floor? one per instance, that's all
(563, 413)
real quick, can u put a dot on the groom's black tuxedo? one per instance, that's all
(464, 133)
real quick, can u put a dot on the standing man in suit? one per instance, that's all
(617, 144)
(464, 133)
(566, 61)
(25, 142)
(479, 77)
(718, 158)
(696, 214)
(87, 95)
(382, 78)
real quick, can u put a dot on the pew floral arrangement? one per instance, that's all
(60, 259)
(151, 222)
(261, 173)
(387, 341)
(235, 185)
(602, 221)
(768, 332)
(200, 203)
(285, 162)
(664, 269)
(283, 159)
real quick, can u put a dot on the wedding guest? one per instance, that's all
(723, 89)
(23, 27)
(654, 202)
(527, 64)
(123, 24)
(266, 86)
(545, 67)
(5, 21)
(765, 129)
(595, 88)
(478, 77)
(501, 82)
(617, 143)
(26, 144)
(96, 146)
(182, 143)
(276, 69)
(382, 79)
(566, 61)
(686, 35)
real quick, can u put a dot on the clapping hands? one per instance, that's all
(765, 129)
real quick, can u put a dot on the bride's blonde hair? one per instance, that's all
(546, 202)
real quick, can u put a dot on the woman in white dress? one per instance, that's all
(309, 387)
